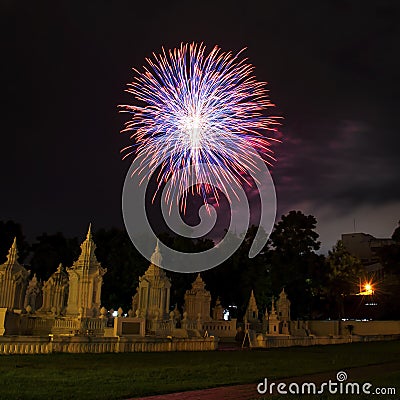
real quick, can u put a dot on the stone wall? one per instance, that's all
(12, 324)
(221, 328)
(373, 327)
(82, 344)
(266, 341)
(326, 328)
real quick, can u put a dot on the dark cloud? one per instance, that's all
(333, 71)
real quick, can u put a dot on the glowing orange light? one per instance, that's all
(368, 289)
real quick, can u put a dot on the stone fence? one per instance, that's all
(30, 325)
(79, 344)
(361, 328)
(269, 341)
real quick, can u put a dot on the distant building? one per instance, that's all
(365, 247)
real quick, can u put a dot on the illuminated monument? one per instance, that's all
(85, 280)
(252, 310)
(13, 281)
(55, 293)
(154, 293)
(198, 301)
(65, 315)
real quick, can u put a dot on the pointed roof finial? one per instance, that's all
(273, 304)
(87, 259)
(156, 257)
(89, 234)
(252, 306)
(13, 252)
(12, 265)
(198, 283)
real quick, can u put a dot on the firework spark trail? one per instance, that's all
(199, 109)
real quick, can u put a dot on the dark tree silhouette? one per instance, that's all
(293, 262)
(234, 279)
(343, 274)
(51, 250)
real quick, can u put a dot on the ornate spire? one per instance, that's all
(87, 258)
(59, 277)
(155, 268)
(273, 311)
(252, 302)
(89, 234)
(198, 283)
(12, 273)
(156, 257)
(12, 253)
(12, 263)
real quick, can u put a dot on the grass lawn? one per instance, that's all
(120, 376)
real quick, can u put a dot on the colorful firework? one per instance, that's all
(198, 111)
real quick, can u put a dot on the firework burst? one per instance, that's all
(198, 111)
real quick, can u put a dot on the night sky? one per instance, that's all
(332, 69)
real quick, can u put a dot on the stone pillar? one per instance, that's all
(3, 314)
(273, 321)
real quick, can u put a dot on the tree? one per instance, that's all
(51, 250)
(234, 279)
(293, 262)
(389, 257)
(343, 274)
(116, 252)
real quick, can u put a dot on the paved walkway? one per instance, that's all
(249, 391)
